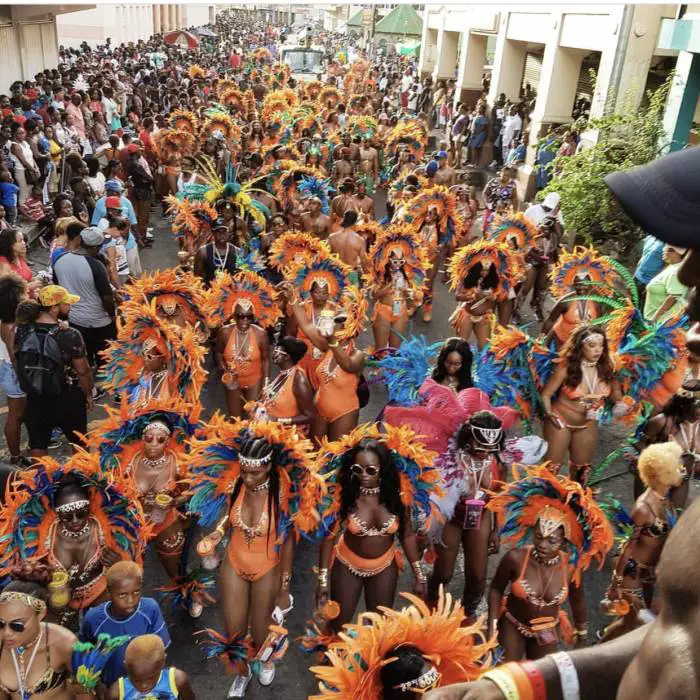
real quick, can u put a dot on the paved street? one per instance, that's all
(293, 681)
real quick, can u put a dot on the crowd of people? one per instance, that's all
(274, 190)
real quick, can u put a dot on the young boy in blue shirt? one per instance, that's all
(8, 196)
(125, 613)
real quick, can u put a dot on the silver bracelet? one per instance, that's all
(568, 676)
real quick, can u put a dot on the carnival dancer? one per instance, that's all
(319, 286)
(482, 274)
(242, 307)
(581, 273)
(51, 648)
(149, 443)
(520, 236)
(678, 422)
(468, 435)
(401, 654)
(336, 403)
(433, 213)
(568, 531)
(397, 273)
(583, 381)
(631, 589)
(289, 397)
(153, 359)
(380, 483)
(262, 476)
(66, 524)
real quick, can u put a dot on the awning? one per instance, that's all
(181, 38)
(408, 49)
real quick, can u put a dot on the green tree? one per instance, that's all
(625, 140)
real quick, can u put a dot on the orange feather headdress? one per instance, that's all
(173, 143)
(192, 220)
(184, 120)
(584, 262)
(403, 238)
(487, 253)
(458, 652)
(244, 287)
(513, 228)
(536, 495)
(330, 271)
(296, 247)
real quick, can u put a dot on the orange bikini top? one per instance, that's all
(520, 588)
(360, 528)
(283, 403)
(240, 356)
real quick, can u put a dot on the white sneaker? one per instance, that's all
(266, 674)
(239, 685)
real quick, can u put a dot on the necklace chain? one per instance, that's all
(154, 463)
(69, 534)
(364, 491)
(260, 488)
(545, 562)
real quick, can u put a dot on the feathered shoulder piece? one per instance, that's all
(174, 291)
(248, 287)
(355, 304)
(600, 273)
(404, 369)
(457, 652)
(213, 468)
(28, 514)
(506, 370)
(172, 144)
(487, 253)
(119, 437)
(513, 228)
(418, 478)
(184, 120)
(329, 97)
(191, 221)
(537, 495)
(330, 272)
(184, 355)
(311, 90)
(286, 94)
(400, 239)
(262, 55)
(296, 248)
(273, 110)
(444, 202)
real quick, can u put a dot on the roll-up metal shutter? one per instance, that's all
(10, 64)
(533, 71)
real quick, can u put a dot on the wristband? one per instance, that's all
(539, 687)
(504, 682)
(568, 676)
(521, 679)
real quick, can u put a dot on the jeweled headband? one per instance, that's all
(74, 506)
(255, 463)
(38, 606)
(426, 681)
(159, 426)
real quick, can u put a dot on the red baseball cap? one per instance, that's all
(113, 203)
(133, 148)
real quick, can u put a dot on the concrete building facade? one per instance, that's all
(551, 47)
(28, 40)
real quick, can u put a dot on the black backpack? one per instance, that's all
(40, 367)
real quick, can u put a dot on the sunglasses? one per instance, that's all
(340, 319)
(74, 515)
(15, 626)
(370, 470)
(243, 317)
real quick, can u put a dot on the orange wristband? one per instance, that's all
(522, 680)
(539, 687)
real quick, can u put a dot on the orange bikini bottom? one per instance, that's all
(254, 560)
(460, 316)
(248, 375)
(386, 312)
(364, 568)
(332, 404)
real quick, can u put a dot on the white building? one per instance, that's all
(551, 47)
(129, 22)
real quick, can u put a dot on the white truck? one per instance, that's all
(306, 62)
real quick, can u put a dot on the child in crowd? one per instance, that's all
(146, 674)
(32, 209)
(125, 613)
(8, 196)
